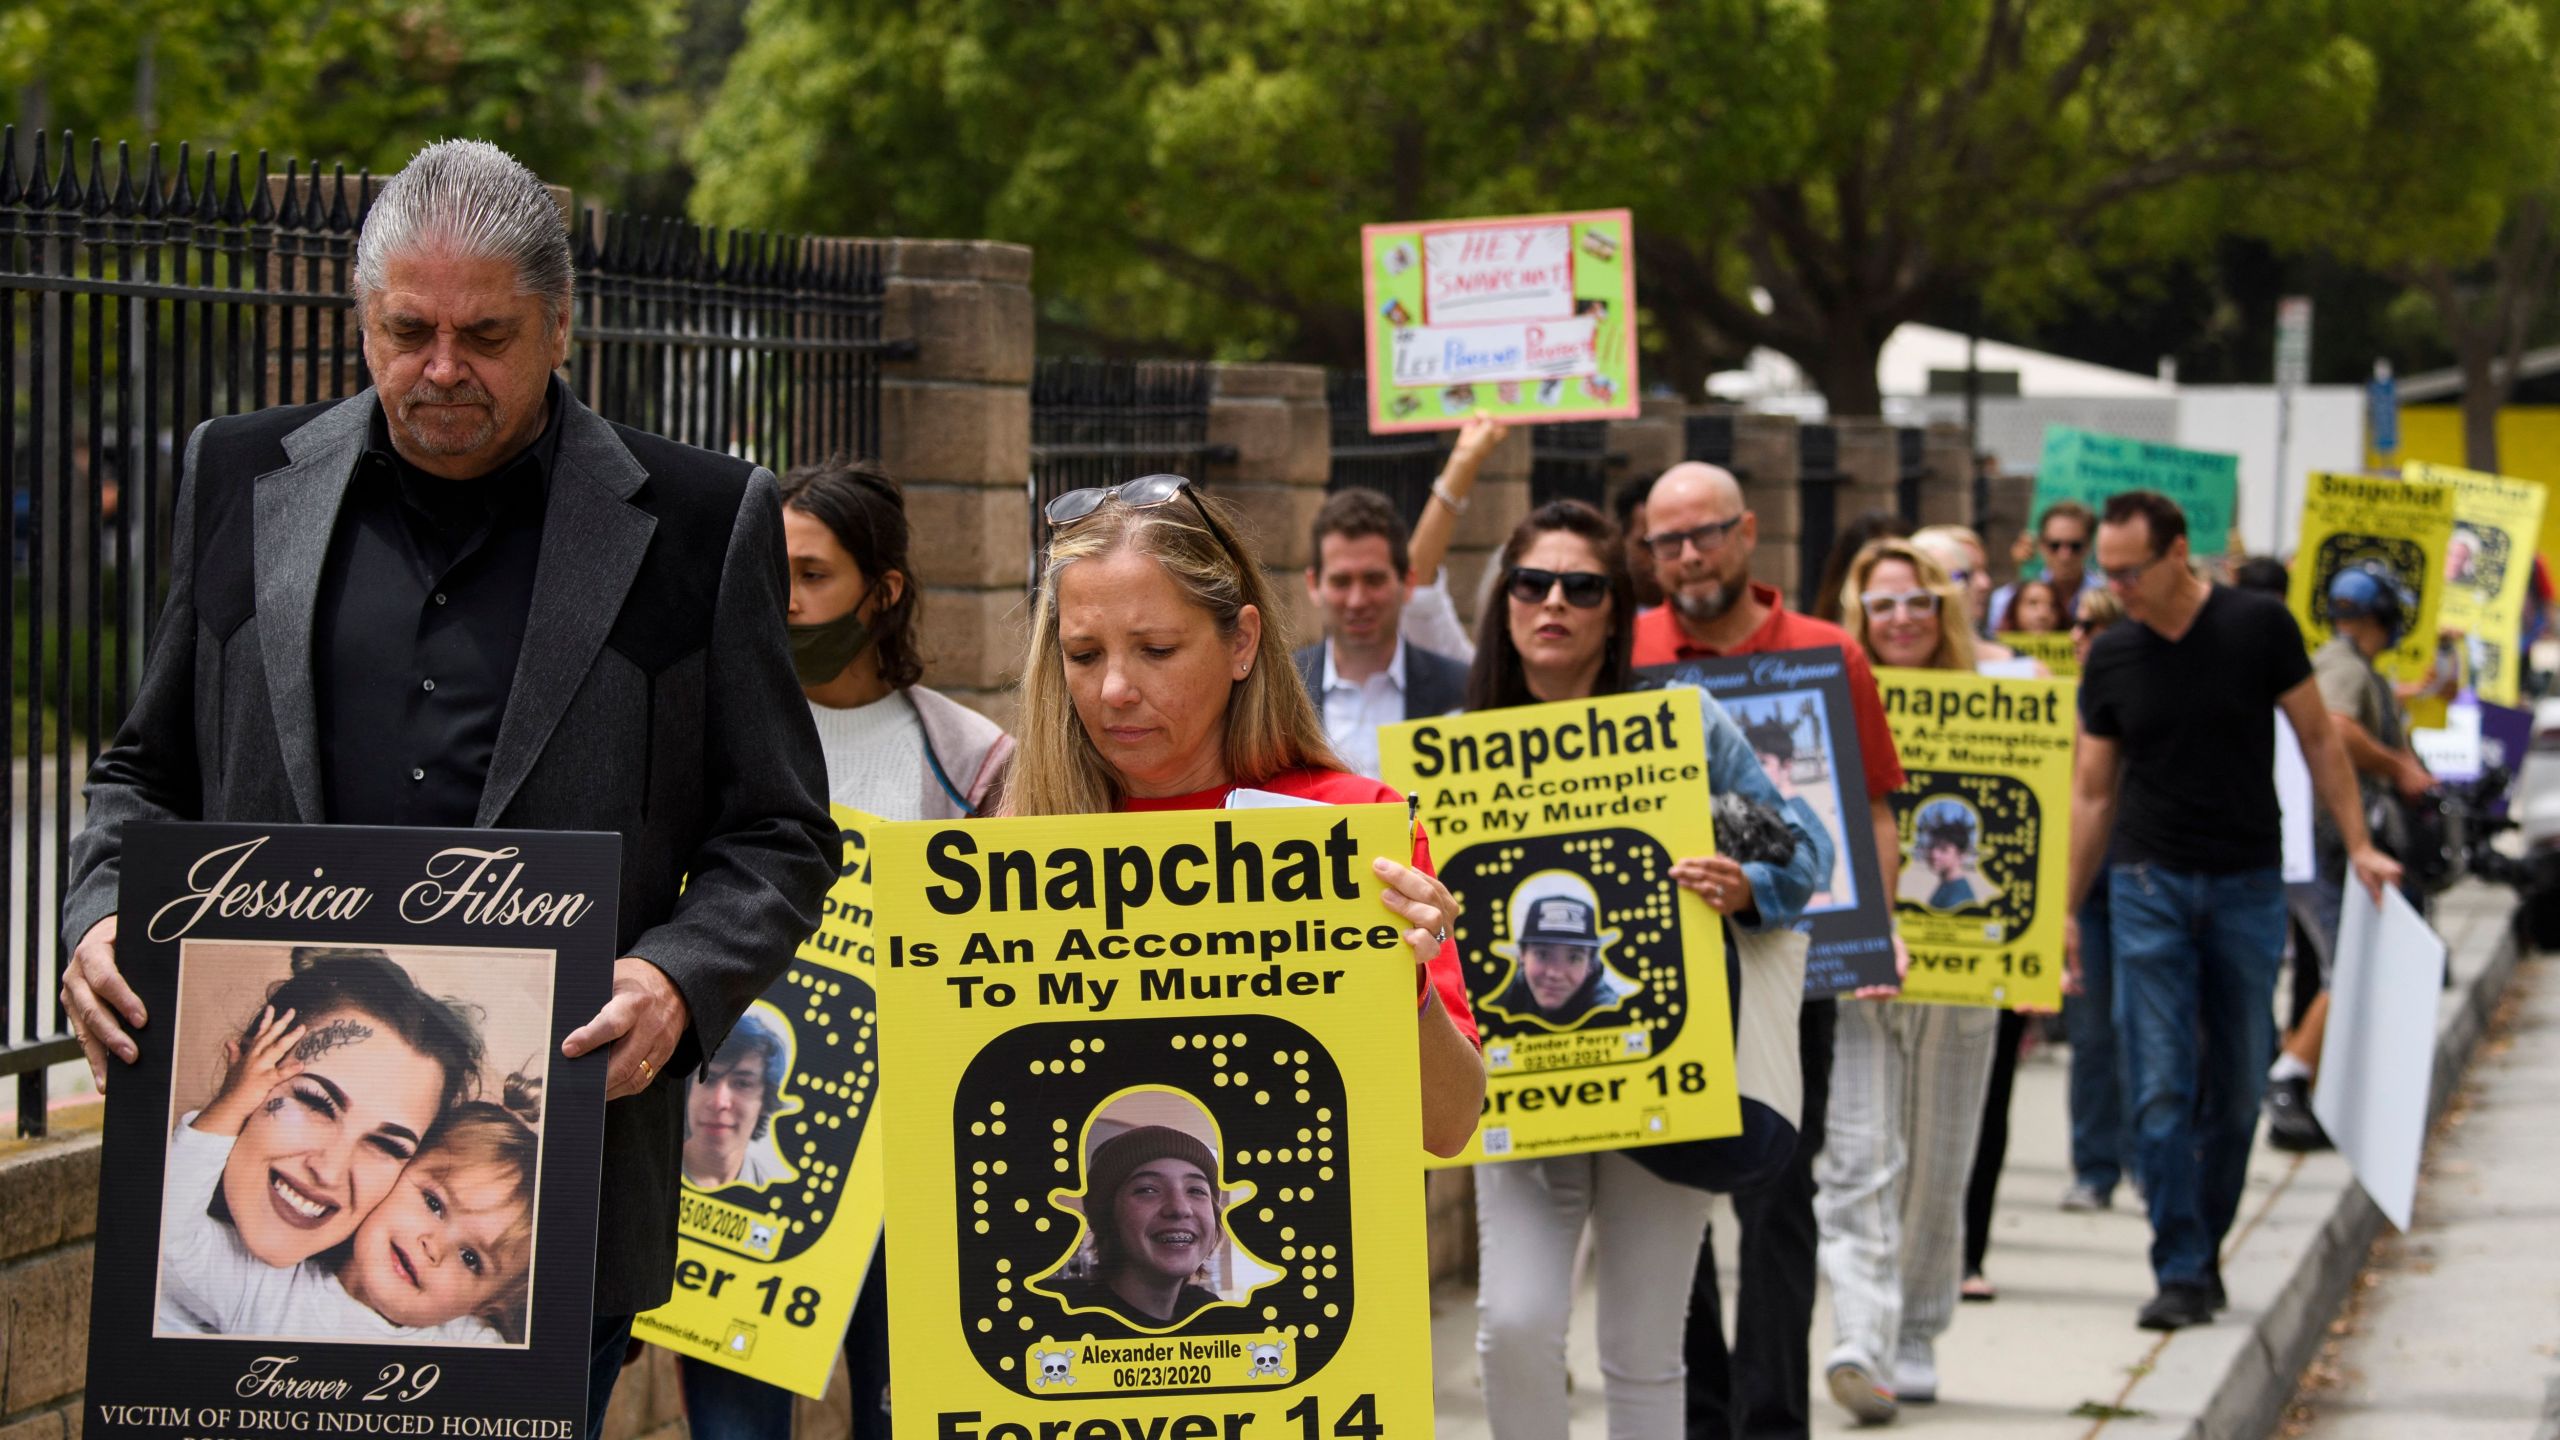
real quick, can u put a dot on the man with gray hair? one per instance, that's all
(462, 599)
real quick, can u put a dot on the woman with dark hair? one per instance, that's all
(895, 750)
(300, 1152)
(1565, 631)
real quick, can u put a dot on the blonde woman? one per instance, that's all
(1159, 678)
(1907, 1081)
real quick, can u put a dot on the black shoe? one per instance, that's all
(2290, 1123)
(2176, 1307)
(2213, 1293)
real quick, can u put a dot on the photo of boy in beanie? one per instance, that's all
(1156, 1214)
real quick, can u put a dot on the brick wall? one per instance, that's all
(48, 1218)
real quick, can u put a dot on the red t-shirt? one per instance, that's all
(1660, 641)
(1332, 787)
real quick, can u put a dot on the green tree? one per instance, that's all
(358, 82)
(1805, 174)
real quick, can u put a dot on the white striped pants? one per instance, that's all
(1907, 1083)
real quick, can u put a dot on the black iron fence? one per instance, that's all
(1400, 466)
(137, 300)
(1569, 460)
(1911, 469)
(1102, 422)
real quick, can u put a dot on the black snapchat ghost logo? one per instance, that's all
(834, 1076)
(1630, 873)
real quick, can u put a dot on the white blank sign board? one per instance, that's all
(2379, 1056)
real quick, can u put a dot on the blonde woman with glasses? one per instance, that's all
(1907, 1081)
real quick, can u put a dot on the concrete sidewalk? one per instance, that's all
(2058, 1354)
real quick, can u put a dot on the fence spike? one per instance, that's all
(234, 208)
(39, 191)
(262, 202)
(289, 209)
(583, 256)
(123, 203)
(152, 185)
(182, 195)
(364, 194)
(93, 199)
(341, 219)
(66, 191)
(8, 164)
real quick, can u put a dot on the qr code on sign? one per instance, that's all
(1497, 1140)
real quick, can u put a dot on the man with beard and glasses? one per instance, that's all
(1702, 539)
(461, 598)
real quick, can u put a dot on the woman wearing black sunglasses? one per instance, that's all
(1159, 679)
(1563, 629)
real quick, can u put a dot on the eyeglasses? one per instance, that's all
(1961, 577)
(1709, 538)
(1583, 589)
(1145, 492)
(2065, 547)
(2125, 577)
(1916, 602)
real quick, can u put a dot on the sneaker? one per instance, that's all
(2290, 1123)
(1915, 1376)
(2177, 1306)
(2082, 1197)
(2214, 1295)
(1860, 1391)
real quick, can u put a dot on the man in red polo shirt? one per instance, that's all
(1702, 538)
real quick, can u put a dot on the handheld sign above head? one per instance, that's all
(1528, 318)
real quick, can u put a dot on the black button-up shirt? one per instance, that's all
(420, 619)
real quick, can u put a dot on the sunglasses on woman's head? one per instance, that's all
(1583, 589)
(1145, 492)
(1917, 602)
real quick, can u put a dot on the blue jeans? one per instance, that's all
(2195, 972)
(2101, 1143)
(609, 1341)
(722, 1404)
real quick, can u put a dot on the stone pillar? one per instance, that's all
(48, 1221)
(1766, 457)
(1946, 496)
(1275, 418)
(955, 430)
(1496, 507)
(1871, 463)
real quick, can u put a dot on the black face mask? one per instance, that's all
(819, 653)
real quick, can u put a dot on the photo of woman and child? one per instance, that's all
(355, 1157)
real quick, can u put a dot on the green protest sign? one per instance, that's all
(1527, 318)
(2087, 466)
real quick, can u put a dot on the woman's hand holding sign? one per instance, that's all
(1715, 879)
(1423, 903)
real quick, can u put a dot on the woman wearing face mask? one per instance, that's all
(894, 750)
(1907, 1081)
(1563, 630)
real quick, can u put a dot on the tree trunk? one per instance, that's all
(2481, 401)
(1846, 370)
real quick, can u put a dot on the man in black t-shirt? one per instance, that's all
(2177, 762)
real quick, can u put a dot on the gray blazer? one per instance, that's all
(654, 697)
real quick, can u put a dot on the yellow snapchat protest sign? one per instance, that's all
(1598, 984)
(1984, 814)
(2488, 571)
(781, 1163)
(2397, 530)
(2055, 649)
(1155, 1109)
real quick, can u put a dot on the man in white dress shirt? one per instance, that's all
(1363, 674)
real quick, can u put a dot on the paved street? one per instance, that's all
(2455, 1332)
(2058, 1357)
